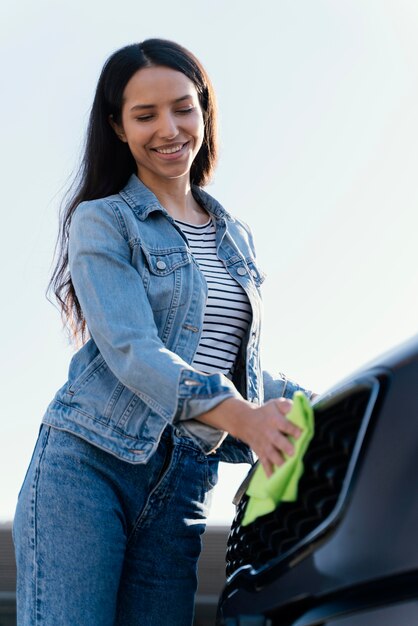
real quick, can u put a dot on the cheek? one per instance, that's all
(137, 139)
(199, 130)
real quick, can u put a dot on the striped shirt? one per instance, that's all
(228, 311)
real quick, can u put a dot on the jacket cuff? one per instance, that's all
(281, 387)
(199, 393)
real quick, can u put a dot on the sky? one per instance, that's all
(318, 104)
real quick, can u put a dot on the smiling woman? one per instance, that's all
(162, 123)
(161, 285)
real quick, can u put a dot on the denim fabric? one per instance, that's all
(100, 541)
(143, 297)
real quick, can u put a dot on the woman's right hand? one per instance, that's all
(264, 428)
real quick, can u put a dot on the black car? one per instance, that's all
(346, 552)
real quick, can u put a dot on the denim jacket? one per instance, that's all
(143, 297)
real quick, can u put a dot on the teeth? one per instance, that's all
(169, 150)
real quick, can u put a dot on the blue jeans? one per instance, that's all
(102, 542)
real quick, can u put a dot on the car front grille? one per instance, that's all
(340, 425)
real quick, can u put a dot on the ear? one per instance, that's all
(118, 128)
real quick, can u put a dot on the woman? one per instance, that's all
(161, 284)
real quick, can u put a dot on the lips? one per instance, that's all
(171, 152)
(170, 149)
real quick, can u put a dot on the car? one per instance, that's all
(345, 553)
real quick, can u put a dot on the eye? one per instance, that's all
(187, 110)
(144, 118)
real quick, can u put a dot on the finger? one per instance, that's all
(272, 454)
(276, 457)
(288, 427)
(284, 405)
(268, 466)
(282, 443)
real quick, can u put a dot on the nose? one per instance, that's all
(168, 126)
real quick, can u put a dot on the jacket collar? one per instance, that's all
(143, 202)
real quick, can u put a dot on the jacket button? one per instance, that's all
(161, 265)
(241, 271)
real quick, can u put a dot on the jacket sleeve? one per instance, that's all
(281, 387)
(121, 322)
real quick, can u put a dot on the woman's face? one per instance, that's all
(162, 123)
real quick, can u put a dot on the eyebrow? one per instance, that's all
(151, 106)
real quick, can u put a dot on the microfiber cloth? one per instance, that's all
(265, 493)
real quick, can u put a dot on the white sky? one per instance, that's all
(319, 154)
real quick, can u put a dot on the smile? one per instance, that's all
(170, 149)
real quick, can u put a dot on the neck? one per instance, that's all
(175, 195)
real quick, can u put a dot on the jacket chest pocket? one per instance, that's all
(166, 277)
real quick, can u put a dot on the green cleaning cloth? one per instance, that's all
(265, 493)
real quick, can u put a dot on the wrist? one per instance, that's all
(227, 415)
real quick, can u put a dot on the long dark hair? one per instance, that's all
(107, 162)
